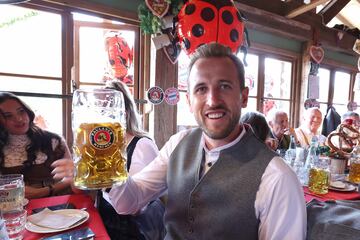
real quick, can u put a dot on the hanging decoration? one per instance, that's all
(351, 106)
(155, 95)
(158, 7)
(356, 47)
(172, 96)
(317, 54)
(120, 56)
(202, 22)
(310, 103)
(189, 24)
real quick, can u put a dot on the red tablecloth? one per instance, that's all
(80, 201)
(331, 195)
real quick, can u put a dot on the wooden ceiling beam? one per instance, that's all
(330, 12)
(305, 8)
(300, 28)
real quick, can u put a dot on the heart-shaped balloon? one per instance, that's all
(317, 54)
(158, 7)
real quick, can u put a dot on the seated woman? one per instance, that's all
(27, 149)
(141, 150)
(260, 127)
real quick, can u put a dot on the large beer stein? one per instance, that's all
(98, 122)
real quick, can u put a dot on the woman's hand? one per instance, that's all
(63, 170)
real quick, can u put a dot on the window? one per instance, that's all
(31, 62)
(270, 80)
(334, 89)
(43, 58)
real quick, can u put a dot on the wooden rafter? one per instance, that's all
(345, 21)
(332, 9)
(305, 8)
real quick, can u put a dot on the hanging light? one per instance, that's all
(12, 1)
(307, 1)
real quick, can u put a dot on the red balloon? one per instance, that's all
(205, 21)
(120, 55)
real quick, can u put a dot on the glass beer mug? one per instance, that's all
(99, 126)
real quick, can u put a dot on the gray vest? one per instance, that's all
(220, 205)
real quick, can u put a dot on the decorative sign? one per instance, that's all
(309, 103)
(158, 7)
(172, 96)
(352, 106)
(155, 95)
(313, 89)
(317, 54)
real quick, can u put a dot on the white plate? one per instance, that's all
(75, 212)
(347, 188)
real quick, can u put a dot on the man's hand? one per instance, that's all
(63, 170)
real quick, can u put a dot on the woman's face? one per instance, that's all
(14, 117)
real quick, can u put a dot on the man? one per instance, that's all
(310, 127)
(222, 182)
(351, 118)
(279, 124)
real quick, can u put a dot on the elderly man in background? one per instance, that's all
(310, 127)
(279, 123)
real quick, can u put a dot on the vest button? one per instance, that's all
(192, 206)
(191, 219)
(191, 230)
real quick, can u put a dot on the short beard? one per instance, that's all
(220, 135)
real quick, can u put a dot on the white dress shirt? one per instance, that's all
(279, 204)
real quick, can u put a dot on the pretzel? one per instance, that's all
(351, 137)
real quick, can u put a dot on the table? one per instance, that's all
(80, 201)
(331, 195)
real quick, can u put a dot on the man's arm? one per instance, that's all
(280, 204)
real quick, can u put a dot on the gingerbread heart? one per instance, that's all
(317, 54)
(158, 7)
(172, 52)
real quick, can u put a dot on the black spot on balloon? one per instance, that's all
(187, 43)
(207, 14)
(234, 35)
(190, 9)
(197, 30)
(227, 17)
(112, 62)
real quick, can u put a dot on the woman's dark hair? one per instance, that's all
(258, 123)
(40, 140)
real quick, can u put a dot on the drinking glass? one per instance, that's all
(11, 192)
(99, 126)
(15, 223)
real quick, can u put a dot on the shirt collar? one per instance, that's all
(230, 144)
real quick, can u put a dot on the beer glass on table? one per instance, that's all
(99, 126)
(12, 194)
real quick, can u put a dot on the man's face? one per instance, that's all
(313, 120)
(354, 119)
(215, 97)
(14, 117)
(280, 124)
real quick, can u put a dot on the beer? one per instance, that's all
(354, 174)
(98, 155)
(318, 181)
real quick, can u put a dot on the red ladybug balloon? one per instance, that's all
(120, 55)
(205, 21)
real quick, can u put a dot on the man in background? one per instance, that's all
(279, 123)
